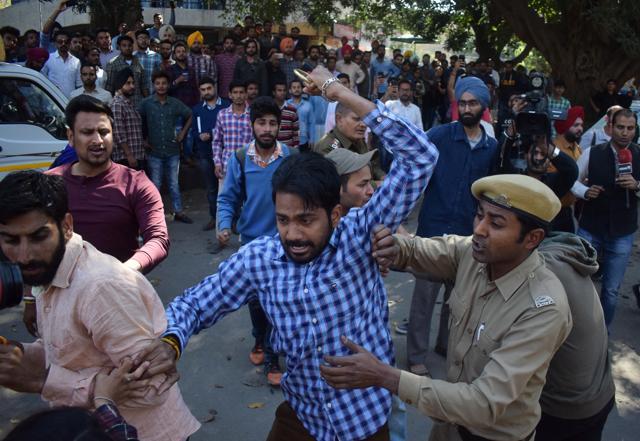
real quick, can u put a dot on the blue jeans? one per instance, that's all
(613, 253)
(170, 167)
(207, 168)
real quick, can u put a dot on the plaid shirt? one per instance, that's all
(226, 64)
(561, 105)
(114, 425)
(257, 159)
(339, 293)
(287, 66)
(139, 76)
(232, 132)
(127, 127)
(203, 66)
(150, 61)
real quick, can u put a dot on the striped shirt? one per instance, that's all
(289, 132)
(311, 305)
(232, 132)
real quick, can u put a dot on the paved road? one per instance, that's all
(220, 384)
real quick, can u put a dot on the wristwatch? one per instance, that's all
(326, 85)
(556, 152)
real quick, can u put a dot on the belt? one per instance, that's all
(468, 436)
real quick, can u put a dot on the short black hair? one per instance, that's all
(264, 105)
(249, 41)
(343, 75)
(29, 190)
(237, 83)
(295, 80)
(206, 80)
(528, 224)
(253, 82)
(103, 30)
(140, 32)
(559, 83)
(310, 176)
(405, 81)
(62, 32)
(124, 38)
(31, 31)
(122, 76)
(278, 83)
(85, 103)
(229, 37)
(160, 74)
(9, 30)
(87, 64)
(627, 113)
(179, 44)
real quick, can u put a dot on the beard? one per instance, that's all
(265, 145)
(314, 249)
(469, 119)
(572, 137)
(47, 269)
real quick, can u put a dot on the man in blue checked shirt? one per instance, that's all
(316, 279)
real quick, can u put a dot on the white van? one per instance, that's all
(32, 123)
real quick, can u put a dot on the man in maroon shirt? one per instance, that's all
(226, 64)
(111, 204)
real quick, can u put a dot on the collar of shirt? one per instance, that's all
(121, 97)
(234, 114)
(257, 159)
(292, 103)
(73, 249)
(344, 141)
(562, 143)
(218, 103)
(513, 280)
(460, 135)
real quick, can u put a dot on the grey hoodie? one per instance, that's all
(579, 382)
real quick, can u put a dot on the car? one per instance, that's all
(33, 130)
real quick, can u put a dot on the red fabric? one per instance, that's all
(574, 113)
(111, 208)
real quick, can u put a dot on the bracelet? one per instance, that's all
(29, 300)
(171, 341)
(326, 85)
(107, 399)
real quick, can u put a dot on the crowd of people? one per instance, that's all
(307, 153)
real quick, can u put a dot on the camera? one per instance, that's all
(10, 285)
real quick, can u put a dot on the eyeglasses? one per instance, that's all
(470, 103)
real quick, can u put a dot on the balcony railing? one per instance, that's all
(186, 4)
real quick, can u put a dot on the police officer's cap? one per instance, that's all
(520, 194)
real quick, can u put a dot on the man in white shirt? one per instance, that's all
(404, 105)
(599, 134)
(62, 68)
(88, 76)
(356, 75)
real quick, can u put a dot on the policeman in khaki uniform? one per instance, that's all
(509, 315)
(349, 133)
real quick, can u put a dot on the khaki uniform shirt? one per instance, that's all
(336, 139)
(503, 334)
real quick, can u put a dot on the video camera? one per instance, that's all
(531, 122)
(534, 118)
(10, 285)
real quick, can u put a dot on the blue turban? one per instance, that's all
(476, 87)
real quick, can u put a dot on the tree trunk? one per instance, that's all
(109, 14)
(577, 48)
